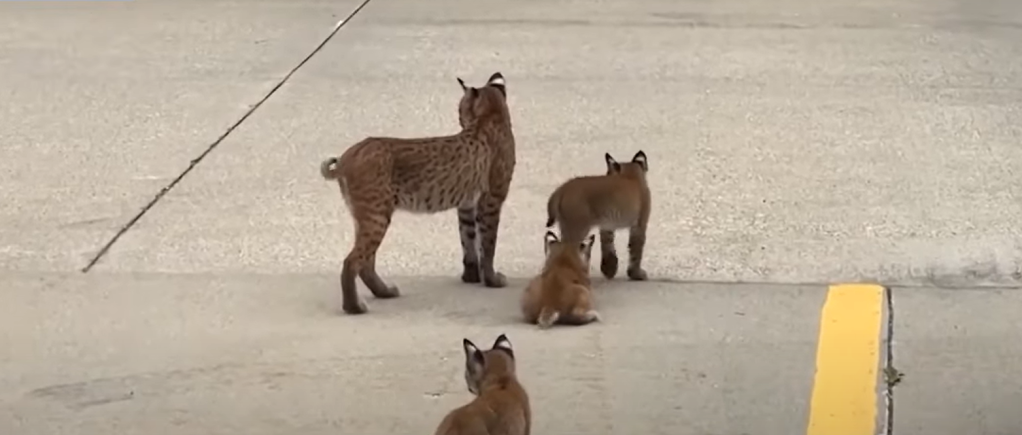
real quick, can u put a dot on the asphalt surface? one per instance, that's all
(793, 145)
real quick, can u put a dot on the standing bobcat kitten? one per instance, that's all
(619, 199)
(501, 406)
(561, 293)
(470, 171)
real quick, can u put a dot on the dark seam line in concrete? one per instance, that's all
(889, 364)
(912, 286)
(211, 147)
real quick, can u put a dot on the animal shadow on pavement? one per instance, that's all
(443, 299)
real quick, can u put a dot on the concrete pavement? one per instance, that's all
(961, 350)
(789, 141)
(231, 354)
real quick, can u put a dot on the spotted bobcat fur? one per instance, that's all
(469, 171)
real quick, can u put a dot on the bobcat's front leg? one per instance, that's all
(488, 211)
(608, 254)
(469, 247)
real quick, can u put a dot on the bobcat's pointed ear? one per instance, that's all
(473, 356)
(470, 348)
(640, 158)
(504, 344)
(587, 244)
(612, 165)
(497, 81)
(462, 83)
(549, 239)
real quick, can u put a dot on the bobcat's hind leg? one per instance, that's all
(608, 254)
(636, 245)
(370, 228)
(376, 285)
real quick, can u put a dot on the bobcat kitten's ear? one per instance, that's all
(640, 158)
(549, 239)
(475, 364)
(473, 356)
(585, 250)
(497, 81)
(504, 344)
(612, 165)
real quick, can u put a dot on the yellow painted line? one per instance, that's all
(845, 395)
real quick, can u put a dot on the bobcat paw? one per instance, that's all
(497, 280)
(356, 307)
(388, 292)
(547, 319)
(471, 274)
(608, 266)
(637, 274)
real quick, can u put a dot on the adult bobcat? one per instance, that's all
(501, 405)
(619, 199)
(562, 292)
(470, 171)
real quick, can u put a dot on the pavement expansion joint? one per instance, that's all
(892, 376)
(195, 162)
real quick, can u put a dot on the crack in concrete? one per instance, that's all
(194, 162)
(889, 362)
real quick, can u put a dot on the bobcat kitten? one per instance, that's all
(619, 199)
(501, 405)
(561, 293)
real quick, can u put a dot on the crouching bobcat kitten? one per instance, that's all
(561, 293)
(619, 199)
(470, 171)
(501, 405)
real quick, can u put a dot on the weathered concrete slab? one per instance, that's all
(959, 350)
(104, 103)
(789, 142)
(232, 354)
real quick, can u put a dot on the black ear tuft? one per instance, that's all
(640, 158)
(497, 81)
(469, 346)
(504, 344)
(612, 165)
(548, 240)
(472, 353)
(462, 83)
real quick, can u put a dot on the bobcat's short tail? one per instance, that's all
(547, 317)
(328, 169)
(582, 313)
(581, 316)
